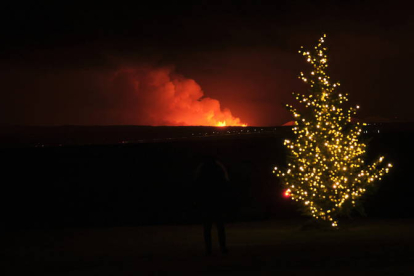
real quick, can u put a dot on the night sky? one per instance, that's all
(173, 63)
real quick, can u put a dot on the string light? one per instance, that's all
(326, 171)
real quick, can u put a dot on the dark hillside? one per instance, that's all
(151, 182)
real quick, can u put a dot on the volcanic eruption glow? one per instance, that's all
(161, 97)
(224, 123)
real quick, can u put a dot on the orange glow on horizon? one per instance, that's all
(224, 123)
(169, 99)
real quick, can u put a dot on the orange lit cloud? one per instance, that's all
(120, 94)
(165, 98)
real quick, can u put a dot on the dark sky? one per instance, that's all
(117, 63)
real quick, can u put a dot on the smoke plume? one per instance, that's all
(124, 95)
(158, 96)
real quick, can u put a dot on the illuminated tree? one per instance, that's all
(325, 169)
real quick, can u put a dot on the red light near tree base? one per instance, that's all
(286, 193)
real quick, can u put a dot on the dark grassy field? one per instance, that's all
(151, 183)
(271, 247)
(128, 209)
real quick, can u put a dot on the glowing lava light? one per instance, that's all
(224, 123)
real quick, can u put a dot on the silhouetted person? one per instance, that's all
(213, 191)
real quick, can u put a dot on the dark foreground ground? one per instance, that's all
(128, 208)
(152, 182)
(272, 247)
